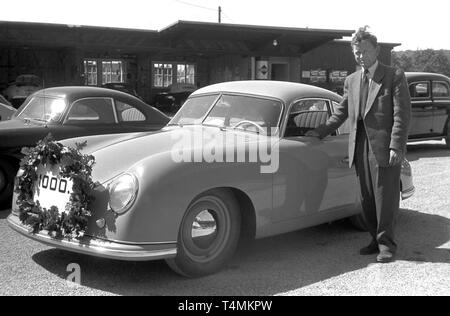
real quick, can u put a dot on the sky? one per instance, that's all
(416, 24)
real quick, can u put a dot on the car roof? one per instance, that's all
(283, 90)
(416, 76)
(76, 92)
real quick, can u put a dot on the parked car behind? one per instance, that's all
(171, 100)
(20, 89)
(6, 110)
(67, 112)
(430, 98)
(192, 211)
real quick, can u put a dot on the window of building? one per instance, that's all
(167, 73)
(162, 75)
(90, 72)
(98, 71)
(186, 73)
(112, 71)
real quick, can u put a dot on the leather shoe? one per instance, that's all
(370, 249)
(385, 256)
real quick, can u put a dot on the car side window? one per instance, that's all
(128, 113)
(440, 89)
(97, 110)
(419, 90)
(305, 115)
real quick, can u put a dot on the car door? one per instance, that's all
(441, 105)
(313, 183)
(421, 110)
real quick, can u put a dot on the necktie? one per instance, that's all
(364, 92)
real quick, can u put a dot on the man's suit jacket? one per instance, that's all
(387, 115)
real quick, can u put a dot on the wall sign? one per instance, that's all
(338, 76)
(317, 76)
(262, 69)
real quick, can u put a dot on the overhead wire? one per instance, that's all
(203, 7)
(195, 5)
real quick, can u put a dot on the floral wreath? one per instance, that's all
(73, 221)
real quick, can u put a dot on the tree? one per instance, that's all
(402, 61)
(427, 60)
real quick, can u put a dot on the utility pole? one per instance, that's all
(220, 14)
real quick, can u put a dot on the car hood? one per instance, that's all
(115, 154)
(16, 132)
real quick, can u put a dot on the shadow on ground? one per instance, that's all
(263, 267)
(4, 213)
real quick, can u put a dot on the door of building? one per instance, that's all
(280, 72)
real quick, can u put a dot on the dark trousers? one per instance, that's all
(380, 192)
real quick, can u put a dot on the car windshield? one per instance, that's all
(43, 109)
(231, 111)
(194, 110)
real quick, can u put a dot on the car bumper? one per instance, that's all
(99, 247)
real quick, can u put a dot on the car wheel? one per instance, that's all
(208, 235)
(7, 174)
(358, 222)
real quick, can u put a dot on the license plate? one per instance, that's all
(51, 189)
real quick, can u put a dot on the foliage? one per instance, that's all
(427, 60)
(71, 222)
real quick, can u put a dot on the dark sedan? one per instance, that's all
(170, 101)
(430, 98)
(68, 112)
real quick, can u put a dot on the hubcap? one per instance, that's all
(204, 229)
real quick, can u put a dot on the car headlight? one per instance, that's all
(122, 193)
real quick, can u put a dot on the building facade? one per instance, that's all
(193, 53)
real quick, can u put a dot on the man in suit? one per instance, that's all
(377, 103)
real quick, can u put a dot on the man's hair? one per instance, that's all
(363, 35)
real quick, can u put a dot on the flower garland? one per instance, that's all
(73, 221)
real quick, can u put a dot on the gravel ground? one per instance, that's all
(322, 260)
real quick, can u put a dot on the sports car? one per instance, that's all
(68, 112)
(233, 162)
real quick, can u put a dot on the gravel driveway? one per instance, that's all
(318, 261)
